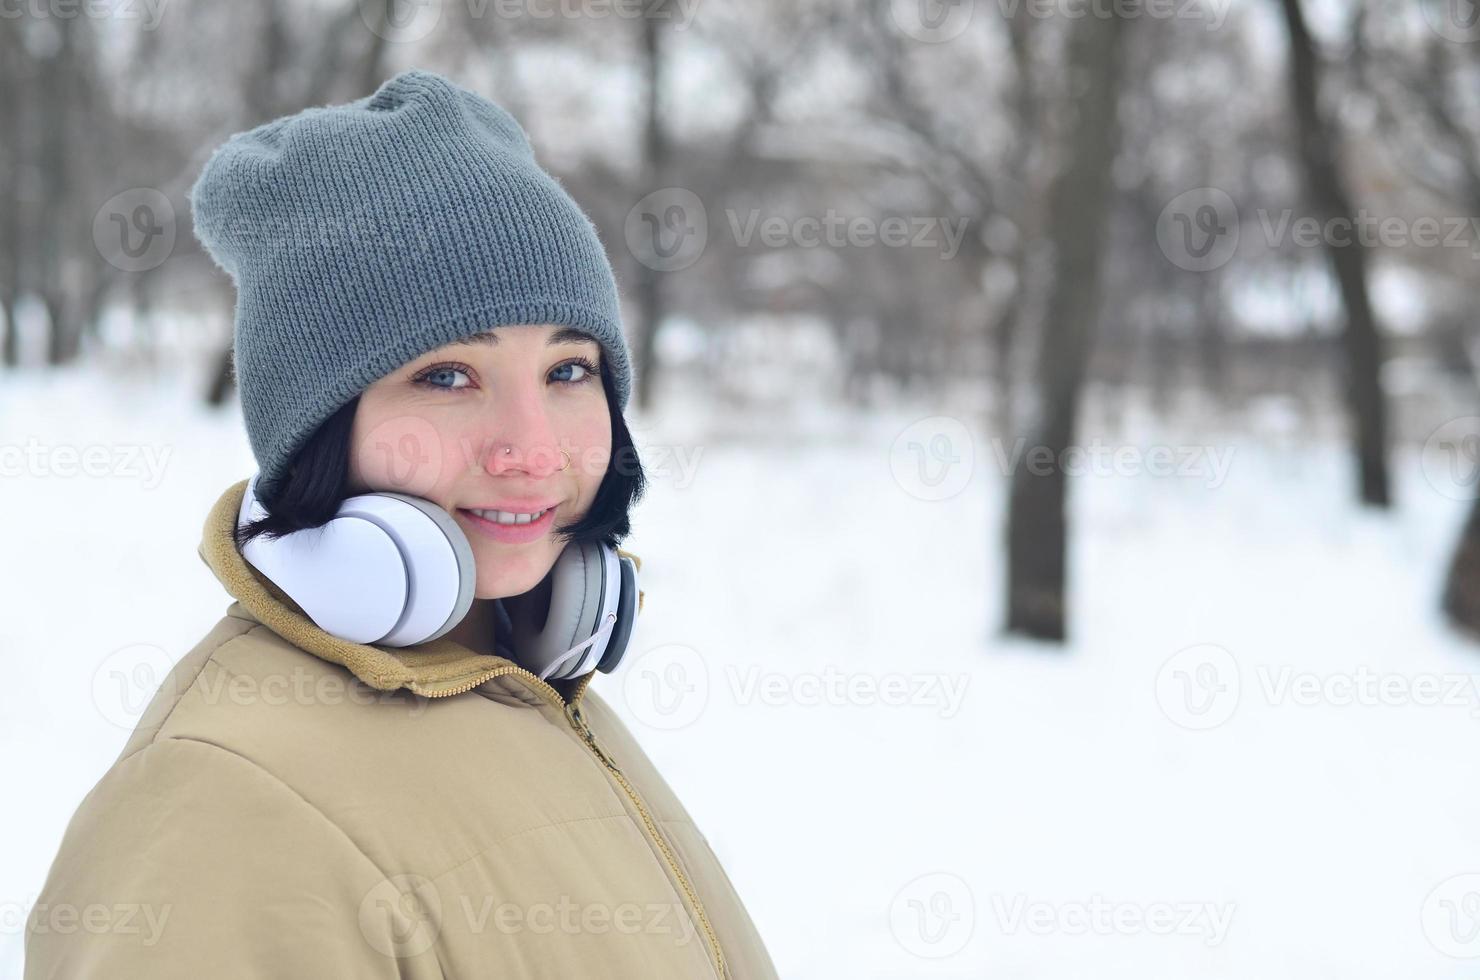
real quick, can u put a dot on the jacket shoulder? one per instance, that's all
(179, 680)
(188, 860)
(248, 689)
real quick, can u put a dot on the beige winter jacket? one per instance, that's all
(295, 805)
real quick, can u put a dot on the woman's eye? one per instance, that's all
(436, 376)
(582, 367)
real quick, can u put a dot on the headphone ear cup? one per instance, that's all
(590, 584)
(616, 644)
(310, 566)
(571, 616)
(442, 574)
(606, 601)
(388, 568)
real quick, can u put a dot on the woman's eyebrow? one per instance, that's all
(566, 335)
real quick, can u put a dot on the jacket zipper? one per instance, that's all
(572, 712)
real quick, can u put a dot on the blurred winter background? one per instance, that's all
(1062, 554)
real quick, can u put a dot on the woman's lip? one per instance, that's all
(510, 533)
(525, 508)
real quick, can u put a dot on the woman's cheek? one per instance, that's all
(406, 454)
(591, 450)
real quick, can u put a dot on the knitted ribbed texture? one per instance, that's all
(360, 236)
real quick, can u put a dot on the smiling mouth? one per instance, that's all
(508, 518)
(514, 527)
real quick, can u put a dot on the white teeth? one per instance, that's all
(506, 517)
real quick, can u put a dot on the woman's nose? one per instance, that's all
(522, 440)
(537, 460)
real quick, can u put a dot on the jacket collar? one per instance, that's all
(437, 668)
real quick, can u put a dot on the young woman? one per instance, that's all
(423, 311)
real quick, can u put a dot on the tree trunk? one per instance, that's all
(1079, 202)
(649, 286)
(1026, 115)
(1331, 200)
(222, 381)
(14, 65)
(1461, 600)
(57, 90)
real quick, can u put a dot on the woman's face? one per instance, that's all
(439, 427)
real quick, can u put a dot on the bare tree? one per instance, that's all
(15, 67)
(655, 157)
(1326, 187)
(62, 75)
(1079, 205)
(1431, 129)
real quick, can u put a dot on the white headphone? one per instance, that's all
(396, 570)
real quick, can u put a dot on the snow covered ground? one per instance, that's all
(1256, 759)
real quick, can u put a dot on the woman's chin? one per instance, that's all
(516, 575)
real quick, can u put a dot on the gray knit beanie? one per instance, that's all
(361, 236)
